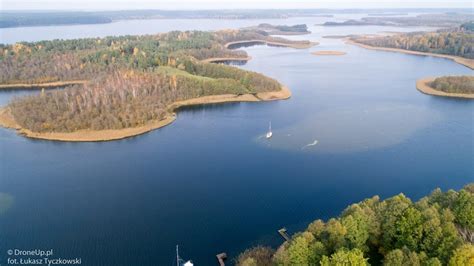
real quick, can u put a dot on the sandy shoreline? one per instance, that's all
(292, 45)
(422, 86)
(7, 120)
(328, 53)
(460, 60)
(23, 86)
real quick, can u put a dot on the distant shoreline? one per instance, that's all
(460, 60)
(299, 45)
(7, 120)
(422, 86)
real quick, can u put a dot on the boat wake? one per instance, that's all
(309, 145)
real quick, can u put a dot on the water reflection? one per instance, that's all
(6, 201)
(353, 129)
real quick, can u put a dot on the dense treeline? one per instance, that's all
(296, 28)
(436, 230)
(81, 59)
(454, 84)
(131, 79)
(453, 42)
(11, 19)
(32, 18)
(18, 19)
(215, 52)
(450, 19)
(270, 29)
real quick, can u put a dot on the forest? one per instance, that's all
(131, 79)
(32, 18)
(445, 20)
(13, 19)
(436, 230)
(454, 84)
(270, 29)
(458, 41)
(10, 19)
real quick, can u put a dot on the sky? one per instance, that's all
(224, 4)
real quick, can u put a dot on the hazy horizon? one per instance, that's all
(106, 5)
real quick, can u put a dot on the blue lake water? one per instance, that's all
(211, 183)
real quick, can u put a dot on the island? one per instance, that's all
(449, 86)
(436, 230)
(118, 87)
(270, 29)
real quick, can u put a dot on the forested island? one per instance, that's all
(454, 43)
(132, 84)
(436, 230)
(281, 29)
(449, 86)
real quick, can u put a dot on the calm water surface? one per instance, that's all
(211, 183)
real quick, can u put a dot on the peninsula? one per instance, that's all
(124, 86)
(456, 44)
(442, 20)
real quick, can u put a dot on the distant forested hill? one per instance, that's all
(436, 230)
(8, 20)
(37, 18)
(447, 19)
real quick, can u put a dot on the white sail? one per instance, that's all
(269, 133)
(179, 260)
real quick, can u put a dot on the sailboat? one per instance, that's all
(269, 133)
(179, 261)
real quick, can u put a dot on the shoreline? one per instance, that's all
(337, 53)
(39, 86)
(460, 60)
(291, 45)
(86, 135)
(423, 87)
(222, 59)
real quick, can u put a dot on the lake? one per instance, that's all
(211, 182)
